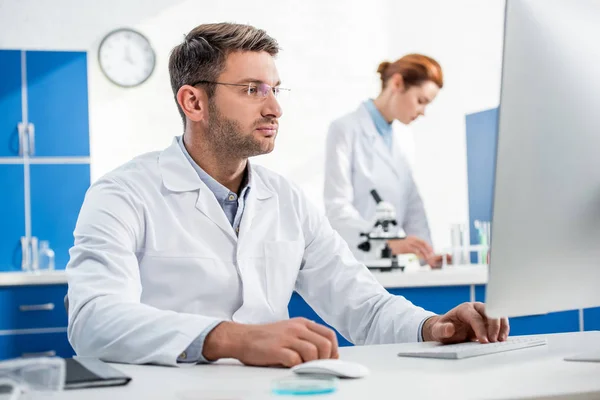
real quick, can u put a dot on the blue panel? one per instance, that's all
(564, 321)
(556, 322)
(12, 215)
(439, 300)
(591, 319)
(482, 131)
(57, 193)
(480, 293)
(15, 314)
(58, 102)
(298, 308)
(12, 346)
(10, 101)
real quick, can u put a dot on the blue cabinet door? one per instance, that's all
(58, 102)
(10, 102)
(439, 300)
(57, 193)
(12, 215)
(591, 319)
(32, 307)
(35, 345)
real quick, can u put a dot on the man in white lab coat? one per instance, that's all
(191, 254)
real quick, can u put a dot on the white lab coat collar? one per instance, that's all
(179, 176)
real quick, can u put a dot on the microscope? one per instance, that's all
(385, 229)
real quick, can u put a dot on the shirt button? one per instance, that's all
(231, 197)
(183, 355)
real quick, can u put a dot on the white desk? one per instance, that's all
(20, 278)
(538, 372)
(453, 275)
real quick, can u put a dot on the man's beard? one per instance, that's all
(227, 138)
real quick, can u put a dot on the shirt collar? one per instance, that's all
(220, 191)
(383, 127)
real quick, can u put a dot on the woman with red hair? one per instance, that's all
(363, 154)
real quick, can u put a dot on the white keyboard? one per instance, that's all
(473, 349)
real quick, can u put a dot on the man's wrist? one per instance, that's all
(426, 329)
(224, 341)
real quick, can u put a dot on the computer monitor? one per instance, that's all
(545, 241)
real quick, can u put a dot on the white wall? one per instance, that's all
(331, 50)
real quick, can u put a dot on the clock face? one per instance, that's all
(126, 57)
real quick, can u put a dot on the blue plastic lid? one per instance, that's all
(305, 385)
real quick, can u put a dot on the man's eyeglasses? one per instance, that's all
(253, 89)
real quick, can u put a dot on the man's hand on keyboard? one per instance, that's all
(463, 323)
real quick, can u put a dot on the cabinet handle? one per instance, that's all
(49, 353)
(22, 143)
(37, 307)
(31, 134)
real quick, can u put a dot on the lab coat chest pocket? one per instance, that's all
(282, 264)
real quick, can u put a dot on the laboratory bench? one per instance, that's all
(34, 320)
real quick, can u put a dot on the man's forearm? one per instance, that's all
(224, 341)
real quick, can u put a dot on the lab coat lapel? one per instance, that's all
(258, 212)
(208, 205)
(259, 199)
(179, 176)
(377, 144)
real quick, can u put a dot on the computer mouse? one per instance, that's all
(339, 368)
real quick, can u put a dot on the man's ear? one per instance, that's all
(193, 101)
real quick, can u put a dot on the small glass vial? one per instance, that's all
(45, 256)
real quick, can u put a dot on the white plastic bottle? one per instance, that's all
(45, 256)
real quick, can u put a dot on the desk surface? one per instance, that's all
(422, 277)
(538, 372)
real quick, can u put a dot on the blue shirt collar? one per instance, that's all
(220, 191)
(383, 127)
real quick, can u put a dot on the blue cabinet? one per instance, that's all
(38, 344)
(57, 193)
(44, 166)
(33, 321)
(10, 102)
(58, 102)
(12, 215)
(49, 90)
(33, 307)
(439, 299)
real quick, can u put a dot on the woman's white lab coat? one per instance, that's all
(358, 161)
(156, 262)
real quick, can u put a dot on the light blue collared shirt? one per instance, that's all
(233, 207)
(384, 128)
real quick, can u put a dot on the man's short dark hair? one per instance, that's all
(202, 55)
